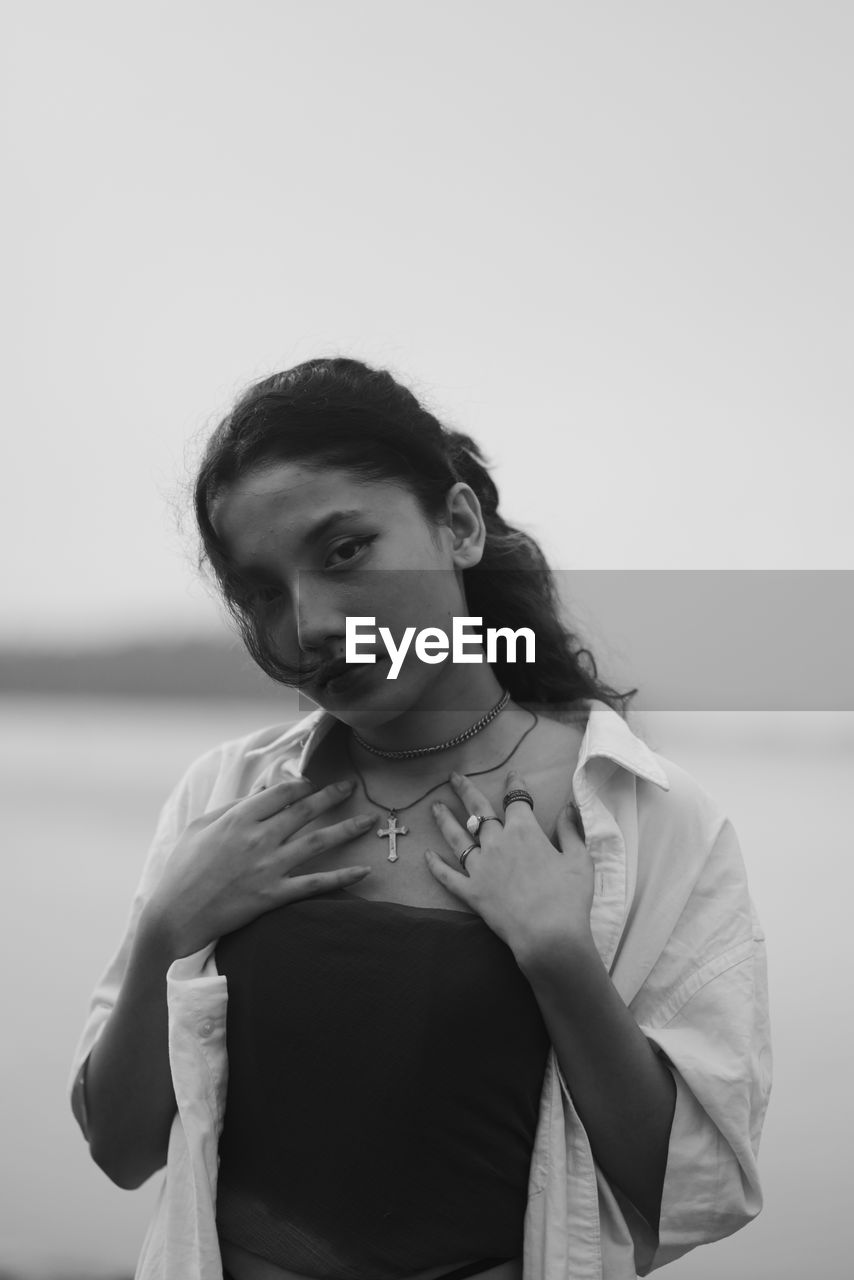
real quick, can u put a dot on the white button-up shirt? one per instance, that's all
(675, 926)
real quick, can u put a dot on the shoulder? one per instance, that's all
(690, 865)
(691, 915)
(686, 808)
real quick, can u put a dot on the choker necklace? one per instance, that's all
(413, 752)
(391, 830)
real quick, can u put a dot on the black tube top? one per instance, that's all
(385, 1065)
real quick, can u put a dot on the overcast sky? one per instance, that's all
(611, 241)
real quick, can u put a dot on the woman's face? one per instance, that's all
(322, 545)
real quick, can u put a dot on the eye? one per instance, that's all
(351, 549)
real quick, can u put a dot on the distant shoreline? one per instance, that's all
(201, 668)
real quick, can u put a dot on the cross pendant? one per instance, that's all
(392, 831)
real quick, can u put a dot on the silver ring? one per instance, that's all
(476, 821)
(465, 853)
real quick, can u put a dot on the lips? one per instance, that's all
(344, 680)
(340, 675)
(332, 672)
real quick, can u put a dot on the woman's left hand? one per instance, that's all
(528, 892)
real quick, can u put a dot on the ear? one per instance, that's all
(466, 524)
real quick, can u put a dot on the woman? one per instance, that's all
(495, 988)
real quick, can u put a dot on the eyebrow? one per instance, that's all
(317, 531)
(312, 535)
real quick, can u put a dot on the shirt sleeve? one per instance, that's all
(188, 798)
(712, 1029)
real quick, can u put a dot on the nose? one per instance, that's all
(319, 622)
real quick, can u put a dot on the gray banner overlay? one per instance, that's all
(720, 640)
(708, 640)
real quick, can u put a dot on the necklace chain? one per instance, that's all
(413, 752)
(395, 809)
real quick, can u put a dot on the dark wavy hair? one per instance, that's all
(341, 413)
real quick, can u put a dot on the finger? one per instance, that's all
(475, 802)
(569, 826)
(295, 887)
(517, 808)
(211, 815)
(290, 817)
(271, 800)
(300, 848)
(457, 882)
(455, 835)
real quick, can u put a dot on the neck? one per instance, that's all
(444, 710)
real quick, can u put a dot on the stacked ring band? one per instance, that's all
(518, 795)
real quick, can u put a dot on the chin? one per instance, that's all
(375, 701)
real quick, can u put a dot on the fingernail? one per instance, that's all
(456, 778)
(344, 786)
(365, 820)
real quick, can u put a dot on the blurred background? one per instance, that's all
(612, 243)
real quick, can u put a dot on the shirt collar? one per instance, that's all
(607, 735)
(304, 736)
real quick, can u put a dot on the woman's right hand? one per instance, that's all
(233, 863)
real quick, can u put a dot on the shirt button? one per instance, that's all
(206, 1028)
